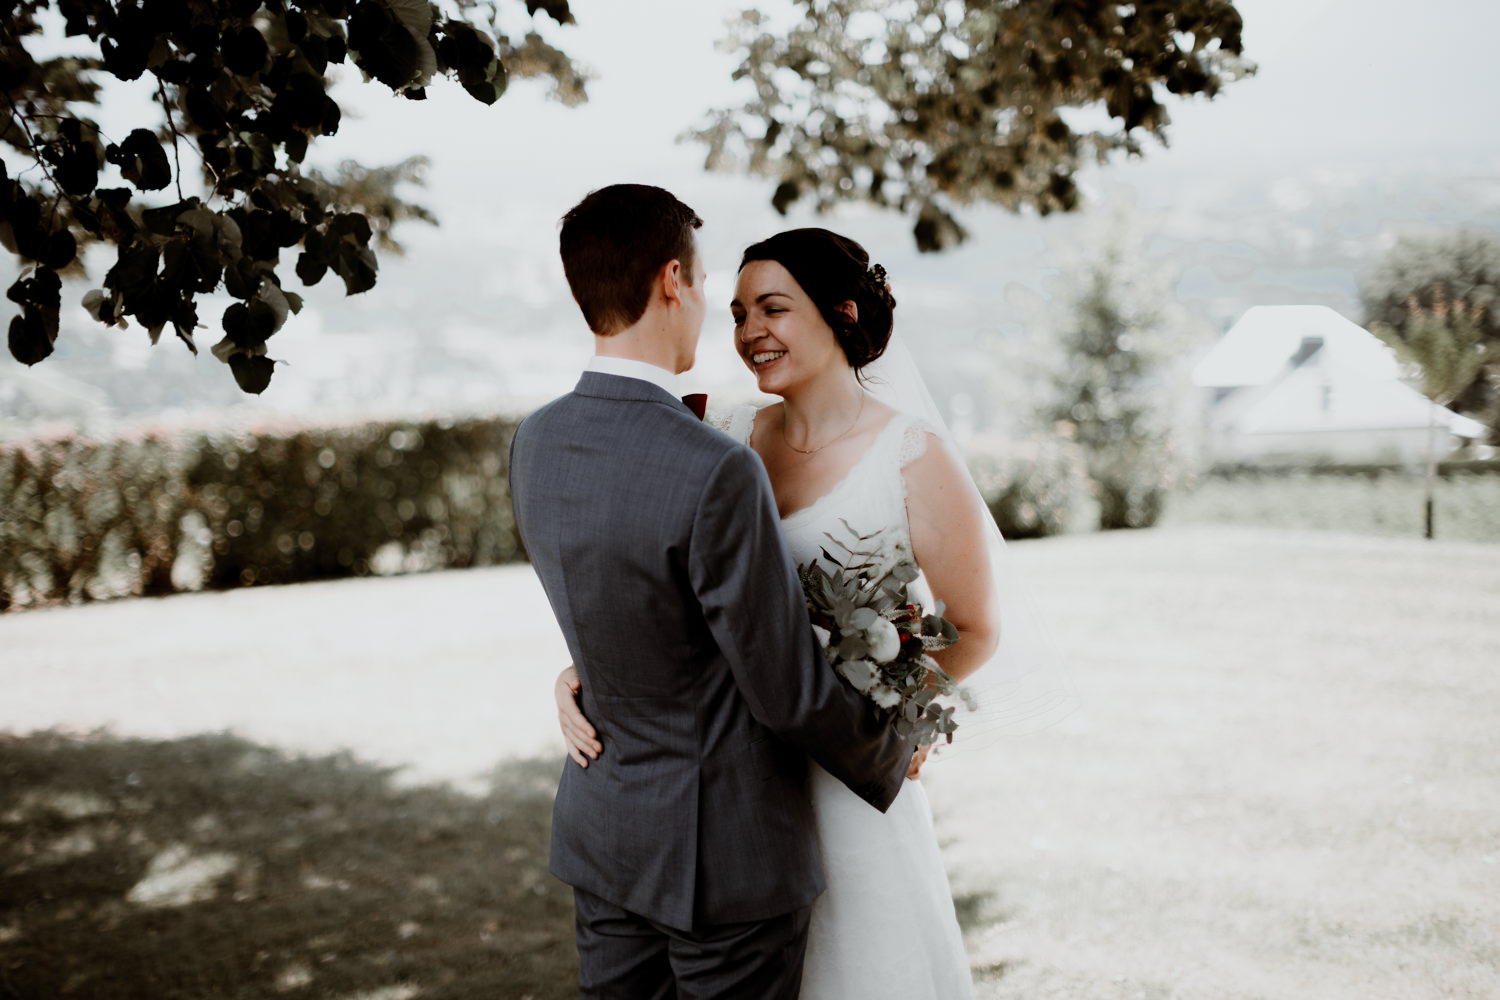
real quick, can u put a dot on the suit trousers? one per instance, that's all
(624, 956)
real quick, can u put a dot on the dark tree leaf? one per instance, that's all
(29, 341)
(382, 46)
(203, 110)
(248, 325)
(241, 279)
(556, 9)
(310, 269)
(252, 374)
(331, 116)
(786, 193)
(356, 265)
(142, 161)
(59, 250)
(245, 50)
(296, 147)
(134, 269)
(126, 51)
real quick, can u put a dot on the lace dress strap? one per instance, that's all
(913, 440)
(736, 422)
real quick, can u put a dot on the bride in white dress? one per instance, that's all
(809, 315)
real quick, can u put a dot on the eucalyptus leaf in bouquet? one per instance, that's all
(878, 637)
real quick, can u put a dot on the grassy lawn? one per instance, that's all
(1467, 506)
(1282, 784)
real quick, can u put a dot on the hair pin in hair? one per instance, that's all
(877, 275)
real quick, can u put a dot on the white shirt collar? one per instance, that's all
(629, 368)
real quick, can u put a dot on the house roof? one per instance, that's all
(1257, 349)
(1307, 401)
(1306, 369)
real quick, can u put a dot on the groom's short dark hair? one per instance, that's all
(614, 241)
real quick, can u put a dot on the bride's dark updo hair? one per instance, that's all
(832, 270)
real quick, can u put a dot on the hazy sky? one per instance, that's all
(1337, 79)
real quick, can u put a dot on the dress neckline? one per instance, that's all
(875, 442)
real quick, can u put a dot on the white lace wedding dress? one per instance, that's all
(886, 927)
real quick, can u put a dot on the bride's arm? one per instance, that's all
(582, 741)
(949, 536)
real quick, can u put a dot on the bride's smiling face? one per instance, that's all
(778, 330)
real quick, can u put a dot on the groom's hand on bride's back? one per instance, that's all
(582, 740)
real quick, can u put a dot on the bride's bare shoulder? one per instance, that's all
(878, 414)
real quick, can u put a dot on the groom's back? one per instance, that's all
(608, 492)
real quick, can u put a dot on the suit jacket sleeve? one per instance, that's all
(743, 576)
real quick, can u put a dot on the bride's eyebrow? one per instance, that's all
(759, 298)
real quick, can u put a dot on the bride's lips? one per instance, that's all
(761, 360)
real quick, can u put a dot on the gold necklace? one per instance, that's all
(813, 451)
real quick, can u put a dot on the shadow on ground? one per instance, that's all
(213, 867)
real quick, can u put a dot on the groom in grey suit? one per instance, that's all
(689, 842)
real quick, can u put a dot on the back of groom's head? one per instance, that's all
(614, 242)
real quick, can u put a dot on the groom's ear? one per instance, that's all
(669, 280)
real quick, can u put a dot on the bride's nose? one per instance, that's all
(750, 330)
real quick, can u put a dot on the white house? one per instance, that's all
(1304, 384)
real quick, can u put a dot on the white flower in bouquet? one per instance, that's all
(875, 633)
(861, 673)
(823, 636)
(884, 640)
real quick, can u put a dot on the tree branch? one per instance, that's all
(161, 90)
(15, 113)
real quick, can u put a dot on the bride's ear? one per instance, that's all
(848, 310)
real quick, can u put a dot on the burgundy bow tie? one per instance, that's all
(697, 402)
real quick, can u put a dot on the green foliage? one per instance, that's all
(1111, 384)
(1418, 276)
(153, 514)
(1446, 344)
(1369, 502)
(922, 105)
(243, 91)
(1033, 488)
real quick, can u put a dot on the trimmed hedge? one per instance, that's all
(1384, 503)
(1449, 468)
(160, 512)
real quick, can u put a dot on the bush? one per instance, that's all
(1362, 499)
(1132, 487)
(159, 512)
(1033, 488)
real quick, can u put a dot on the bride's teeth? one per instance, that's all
(760, 359)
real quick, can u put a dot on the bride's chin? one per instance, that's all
(768, 383)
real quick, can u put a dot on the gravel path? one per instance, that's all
(1283, 782)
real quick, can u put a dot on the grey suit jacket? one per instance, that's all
(657, 541)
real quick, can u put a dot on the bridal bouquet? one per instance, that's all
(878, 637)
